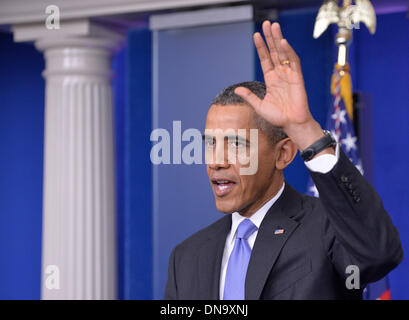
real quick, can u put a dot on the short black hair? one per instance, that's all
(228, 97)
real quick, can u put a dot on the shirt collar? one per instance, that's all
(256, 218)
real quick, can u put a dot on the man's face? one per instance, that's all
(234, 191)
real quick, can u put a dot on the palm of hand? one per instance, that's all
(285, 102)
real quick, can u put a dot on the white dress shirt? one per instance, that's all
(322, 164)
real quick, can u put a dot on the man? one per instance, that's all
(274, 243)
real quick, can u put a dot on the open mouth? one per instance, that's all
(222, 187)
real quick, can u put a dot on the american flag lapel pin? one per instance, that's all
(279, 230)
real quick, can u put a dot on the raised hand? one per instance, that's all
(285, 104)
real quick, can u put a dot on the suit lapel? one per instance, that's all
(210, 260)
(268, 245)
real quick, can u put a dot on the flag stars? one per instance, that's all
(340, 115)
(349, 142)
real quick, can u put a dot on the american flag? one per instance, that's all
(341, 127)
(279, 231)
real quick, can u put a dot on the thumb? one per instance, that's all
(249, 97)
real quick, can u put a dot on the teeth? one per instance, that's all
(222, 187)
(222, 181)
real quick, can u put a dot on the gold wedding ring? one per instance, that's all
(285, 62)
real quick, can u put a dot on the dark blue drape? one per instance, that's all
(21, 168)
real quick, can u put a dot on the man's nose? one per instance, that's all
(219, 158)
(217, 166)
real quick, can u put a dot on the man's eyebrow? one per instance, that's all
(235, 138)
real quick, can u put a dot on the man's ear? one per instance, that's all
(286, 150)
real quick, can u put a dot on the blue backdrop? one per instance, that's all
(382, 71)
(21, 168)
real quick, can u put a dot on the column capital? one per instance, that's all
(79, 47)
(82, 33)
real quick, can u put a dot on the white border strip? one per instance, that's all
(24, 11)
(201, 17)
(155, 168)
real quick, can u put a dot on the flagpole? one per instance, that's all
(347, 17)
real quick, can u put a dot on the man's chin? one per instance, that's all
(225, 208)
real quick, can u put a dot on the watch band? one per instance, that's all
(325, 142)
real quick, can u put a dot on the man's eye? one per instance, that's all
(209, 142)
(238, 143)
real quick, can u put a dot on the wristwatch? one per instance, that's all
(325, 142)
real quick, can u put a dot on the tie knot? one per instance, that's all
(245, 229)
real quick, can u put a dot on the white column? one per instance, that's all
(79, 221)
(79, 238)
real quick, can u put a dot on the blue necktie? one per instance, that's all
(238, 262)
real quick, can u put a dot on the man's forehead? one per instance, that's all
(230, 116)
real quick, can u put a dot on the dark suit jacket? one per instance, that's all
(346, 226)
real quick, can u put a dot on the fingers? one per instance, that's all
(249, 97)
(273, 35)
(292, 56)
(271, 42)
(278, 37)
(263, 53)
(278, 48)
